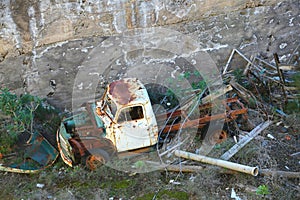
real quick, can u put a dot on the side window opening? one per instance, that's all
(131, 113)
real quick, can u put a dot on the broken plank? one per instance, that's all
(245, 140)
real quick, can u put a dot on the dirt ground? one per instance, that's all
(280, 153)
(276, 149)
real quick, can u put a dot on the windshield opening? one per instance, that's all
(131, 113)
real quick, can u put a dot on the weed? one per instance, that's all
(262, 190)
(19, 113)
(139, 164)
(240, 78)
(20, 109)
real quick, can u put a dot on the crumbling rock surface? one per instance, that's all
(26, 25)
(43, 43)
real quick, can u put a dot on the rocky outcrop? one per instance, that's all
(26, 25)
(43, 44)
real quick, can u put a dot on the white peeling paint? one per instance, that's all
(278, 5)
(94, 73)
(148, 61)
(119, 22)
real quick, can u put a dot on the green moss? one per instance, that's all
(166, 194)
(123, 184)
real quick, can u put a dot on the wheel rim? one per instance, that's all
(94, 161)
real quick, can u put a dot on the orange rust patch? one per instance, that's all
(121, 91)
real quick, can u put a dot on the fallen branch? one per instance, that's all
(268, 172)
(245, 140)
(221, 163)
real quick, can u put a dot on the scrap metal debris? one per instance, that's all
(265, 78)
(245, 140)
(103, 128)
(262, 77)
(38, 155)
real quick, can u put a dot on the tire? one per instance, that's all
(96, 158)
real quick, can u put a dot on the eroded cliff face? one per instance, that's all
(26, 25)
(43, 43)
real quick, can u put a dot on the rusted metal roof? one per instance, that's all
(127, 91)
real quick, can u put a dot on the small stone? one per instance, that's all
(40, 185)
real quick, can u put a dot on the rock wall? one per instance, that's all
(26, 25)
(43, 43)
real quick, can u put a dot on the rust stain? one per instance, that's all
(128, 15)
(122, 91)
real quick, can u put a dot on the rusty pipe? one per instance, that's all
(221, 163)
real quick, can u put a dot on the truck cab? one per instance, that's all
(127, 114)
(122, 120)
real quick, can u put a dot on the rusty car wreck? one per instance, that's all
(123, 120)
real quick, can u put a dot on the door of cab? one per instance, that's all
(132, 129)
